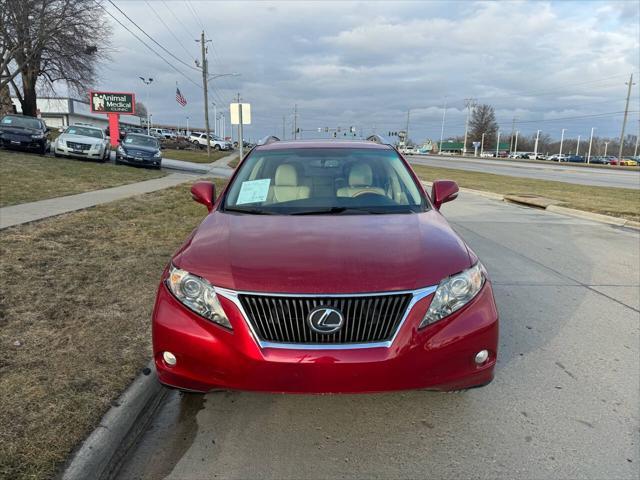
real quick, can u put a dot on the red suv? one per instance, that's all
(324, 267)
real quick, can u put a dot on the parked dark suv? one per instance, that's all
(24, 133)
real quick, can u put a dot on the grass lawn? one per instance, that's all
(76, 295)
(27, 178)
(619, 202)
(195, 156)
(234, 163)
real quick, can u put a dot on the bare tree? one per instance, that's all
(141, 110)
(44, 42)
(483, 120)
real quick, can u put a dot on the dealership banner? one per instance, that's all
(112, 102)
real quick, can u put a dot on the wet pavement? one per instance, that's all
(564, 403)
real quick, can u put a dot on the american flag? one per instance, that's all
(180, 98)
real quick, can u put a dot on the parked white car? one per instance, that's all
(558, 157)
(82, 141)
(215, 142)
(161, 133)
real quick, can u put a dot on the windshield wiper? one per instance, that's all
(251, 211)
(332, 210)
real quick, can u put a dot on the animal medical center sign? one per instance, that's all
(112, 102)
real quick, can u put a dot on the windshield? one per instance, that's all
(140, 141)
(84, 131)
(324, 181)
(22, 122)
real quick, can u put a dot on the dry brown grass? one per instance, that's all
(195, 156)
(76, 297)
(27, 178)
(618, 202)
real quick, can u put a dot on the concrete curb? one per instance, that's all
(571, 212)
(100, 454)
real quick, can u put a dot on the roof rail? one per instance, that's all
(268, 139)
(379, 139)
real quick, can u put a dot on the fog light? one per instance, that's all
(170, 358)
(481, 356)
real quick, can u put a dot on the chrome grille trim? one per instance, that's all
(416, 296)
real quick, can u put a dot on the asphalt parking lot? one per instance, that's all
(564, 403)
(603, 177)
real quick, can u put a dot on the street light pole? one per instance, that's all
(515, 145)
(444, 114)
(497, 143)
(535, 148)
(606, 144)
(578, 145)
(470, 103)
(147, 82)
(482, 145)
(624, 121)
(561, 141)
(590, 142)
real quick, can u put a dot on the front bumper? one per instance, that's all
(439, 357)
(65, 151)
(139, 161)
(23, 143)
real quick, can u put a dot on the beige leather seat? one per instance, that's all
(360, 180)
(286, 187)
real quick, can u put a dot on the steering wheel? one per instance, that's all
(367, 192)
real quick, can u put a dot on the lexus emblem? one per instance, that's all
(325, 320)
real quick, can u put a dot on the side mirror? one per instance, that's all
(443, 191)
(204, 193)
(61, 129)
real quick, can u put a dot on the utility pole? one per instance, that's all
(147, 82)
(215, 119)
(590, 142)
(406, 141)
(206, 93)
(635, 150)
(578, 145)
(470, 103)
(444, 113)
(535, 148)
(295, 121)
(482, 145)
(624, 121)
(561, 141)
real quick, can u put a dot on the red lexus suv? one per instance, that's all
(323, 267)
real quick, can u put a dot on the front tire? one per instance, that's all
(216, 147)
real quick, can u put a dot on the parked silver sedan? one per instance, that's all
(82, 141)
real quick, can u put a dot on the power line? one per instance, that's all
(195, 15)
(187, 31)
(153, 39)
(146, 45)
(168, 28)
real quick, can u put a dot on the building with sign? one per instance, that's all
(63, 111)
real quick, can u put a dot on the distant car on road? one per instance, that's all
(600, 160)
(558, 157)
(407, 150)
(575, 159)
(81, 141)
(628, 162)
(140, 150)
(216, 143)
(537, 156)
(24, 133)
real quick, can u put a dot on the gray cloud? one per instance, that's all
(366, 63)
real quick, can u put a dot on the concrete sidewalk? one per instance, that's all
(29, 212)
(219, 168)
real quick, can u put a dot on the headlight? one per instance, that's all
(198, 295)
(37, 136)
(453, 293)
(61, 143)
(158, 154)
(121, 151)
(95, 146)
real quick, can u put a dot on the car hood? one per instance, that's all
(80, 139)
(324, 254)
(139, 149)
(19, 130)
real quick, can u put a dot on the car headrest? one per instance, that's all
(286, 176)
(360, 175)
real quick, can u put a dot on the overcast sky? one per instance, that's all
(366, 63)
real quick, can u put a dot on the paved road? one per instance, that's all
(564, 403)
(551, 171)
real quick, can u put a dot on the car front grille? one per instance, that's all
(79, 146)
(284, 319)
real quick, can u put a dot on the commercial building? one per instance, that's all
(63, 111)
